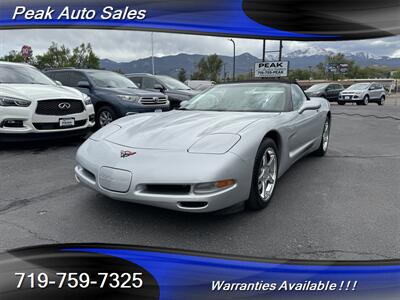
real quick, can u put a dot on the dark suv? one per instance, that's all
(329, 91)
(174, 89)
(112, 94)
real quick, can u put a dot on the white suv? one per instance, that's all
(33, 105)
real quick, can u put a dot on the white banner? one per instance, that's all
(272, 69)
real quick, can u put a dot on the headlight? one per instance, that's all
(218, 143)
(87, 100)
(9, 101)
(129, 98)
(213, 187)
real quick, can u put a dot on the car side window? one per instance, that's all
(298, 97)
(75, 77)
(137, 81)
(148, 82)
(58, 76)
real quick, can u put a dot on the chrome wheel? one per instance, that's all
(325, 136)
(105, 118)
(267, 174)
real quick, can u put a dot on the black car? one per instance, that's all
(329, 91)
(112, 94)
(174, 89)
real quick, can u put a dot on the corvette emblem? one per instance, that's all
(126, 153)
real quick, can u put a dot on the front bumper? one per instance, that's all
(32, 123)
(350, 98)
(101, 168)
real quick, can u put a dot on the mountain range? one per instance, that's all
(300, 59)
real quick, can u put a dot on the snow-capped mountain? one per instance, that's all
(299, 59)
(310, 51)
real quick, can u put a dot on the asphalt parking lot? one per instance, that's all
(343, 206)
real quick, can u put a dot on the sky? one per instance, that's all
(125, 46)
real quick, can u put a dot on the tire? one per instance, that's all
(104, 116)
(323, 146)
(365, 101)
(267, 153)
(341, 103)
(381, 101)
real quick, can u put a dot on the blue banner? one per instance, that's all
(283, 19)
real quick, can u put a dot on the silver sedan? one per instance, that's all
(227, 145)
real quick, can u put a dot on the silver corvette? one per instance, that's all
(227, 145)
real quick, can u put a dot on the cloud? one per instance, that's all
(125, 45)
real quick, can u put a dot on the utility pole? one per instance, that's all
(263, 54)
(234, 59)
(280, 50)
(152, 52)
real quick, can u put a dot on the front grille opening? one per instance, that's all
(193, 204)
(89, 175)
(167, 189)
(53, 126)
(153, 100)
(13, 123)
(59, 107)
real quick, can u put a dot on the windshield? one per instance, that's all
(263, 97)
(23, 74)
(317, 87)
(173, 84)
(106, 79)
(359, 86)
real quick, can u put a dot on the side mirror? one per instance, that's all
(310, 105)
(58, 82)
(84, 84)
(159, 87)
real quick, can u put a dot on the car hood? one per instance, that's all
(352, 91)
(178, 130)
(131, 92)
(34, 92)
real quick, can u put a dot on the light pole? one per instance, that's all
(234, 59)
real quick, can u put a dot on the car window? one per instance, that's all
(263, 97)
(75, 77)
(68, 78)
(137, 81)
(148, 82)
(19, 73)
(298, 97)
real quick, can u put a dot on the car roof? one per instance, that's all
(79, 70)
(139, 74)
(277, 80)
(15, 64)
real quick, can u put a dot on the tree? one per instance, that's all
(83, 57)
(62, 57)
(182, 75)
(55, 57)
(396, 75)
(208, 68)
(13, 56)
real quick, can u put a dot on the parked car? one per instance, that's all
(174, 89)
(33, 106)
(200, 85)
(363, 93)
(227, 145)
(113, 95)
(329, 91)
